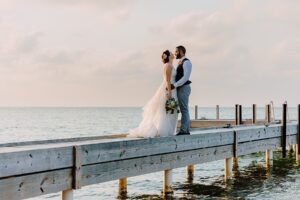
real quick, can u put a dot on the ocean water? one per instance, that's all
(251, 181)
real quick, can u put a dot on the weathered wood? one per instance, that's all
(190, 172)
(236, 114)
(167, 187)
(77, 167)
(298, 129)
(213, 123)
(296, 153)
(261, 145)
(64, 140)
(228, 168)
(103, 172)
(240, 114)
(59, 180)
(122, 186)
(217, 112)
(144, 147)
(67, 195)
(257, 146)
(284, 130)
(29, 160)
(29, 171)
(269, 157)
(26, 186)
(245, 134)
(254, 114)
(268, 113)
(35, 160)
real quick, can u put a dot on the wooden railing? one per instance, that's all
(32, 169)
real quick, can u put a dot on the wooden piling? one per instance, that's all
(298, 129)
(190, 172)
(297, 153)
(236, 114)
(67, 195)
(283, 137)
(253, 113)
(217, 112)
(269, 157)
(196, 112)
(240, 114)
(228, 168)
(167, 188)
(122, 187)
(268, 113)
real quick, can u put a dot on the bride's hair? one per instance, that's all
(165, 56)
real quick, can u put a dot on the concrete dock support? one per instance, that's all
(228, 168)
(122, 186)
(67, 195)
(167, 188)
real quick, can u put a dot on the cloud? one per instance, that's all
(94, 51)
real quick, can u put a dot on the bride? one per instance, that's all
(156, 121)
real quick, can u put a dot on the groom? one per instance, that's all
(183, 87)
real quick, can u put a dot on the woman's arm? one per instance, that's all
(168, 71)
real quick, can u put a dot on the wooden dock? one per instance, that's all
(30, 169)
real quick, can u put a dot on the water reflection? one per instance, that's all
(253, 179)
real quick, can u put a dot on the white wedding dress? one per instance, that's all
(156, 122)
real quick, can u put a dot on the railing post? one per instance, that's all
(76, 174)
(254, 114)
(217, 112)
(196, 112)
(283, 136)
(298, 132)
(268, 113)
(167, 188)
(67, 195)
(240, 114)
(236, 114)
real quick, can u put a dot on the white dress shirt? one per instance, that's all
(187, 70)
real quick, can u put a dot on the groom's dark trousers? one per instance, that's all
(183, 94)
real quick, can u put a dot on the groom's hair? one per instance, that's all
(181, 48)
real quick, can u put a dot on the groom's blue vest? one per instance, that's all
(180, 72)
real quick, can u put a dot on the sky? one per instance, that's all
(107, 53)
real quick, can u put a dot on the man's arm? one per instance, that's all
(187, 69)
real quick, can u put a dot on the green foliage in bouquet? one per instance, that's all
(171, 106)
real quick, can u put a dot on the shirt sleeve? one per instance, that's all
(187, 69)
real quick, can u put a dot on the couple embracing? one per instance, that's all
(172, 95)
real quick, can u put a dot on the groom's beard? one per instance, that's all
(178, 57)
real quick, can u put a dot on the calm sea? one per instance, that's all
(252, 181)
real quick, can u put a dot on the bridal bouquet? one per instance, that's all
(171, 106)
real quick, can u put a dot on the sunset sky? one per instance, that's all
(107, 53)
